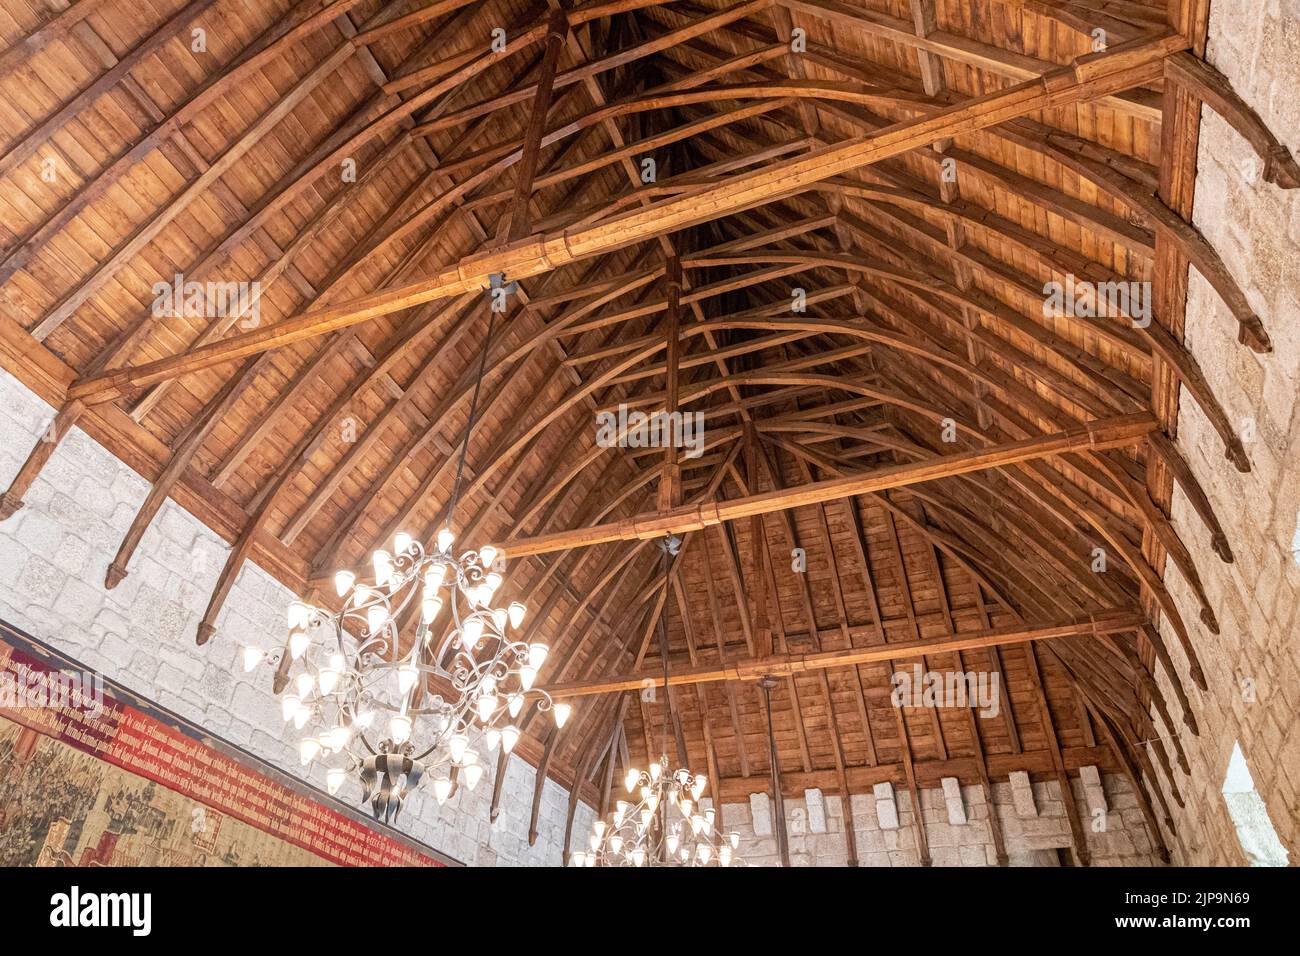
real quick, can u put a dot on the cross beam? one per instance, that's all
(1096, 435)
(781, 665)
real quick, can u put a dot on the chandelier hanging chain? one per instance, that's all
(469, 423)
(663, 640)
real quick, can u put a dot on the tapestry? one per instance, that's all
(91, 775)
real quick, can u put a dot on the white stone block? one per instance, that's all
(952, 800)
(760, 811)
(1094, 793)
(816, 810)
(886, 807)
(1022, 795)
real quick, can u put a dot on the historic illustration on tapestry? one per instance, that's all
(61, 807)
(91, 776)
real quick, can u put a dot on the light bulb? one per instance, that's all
(488, 685)
(327, 681)
(457, 745)
(517, 612)
(431, 605)
(289, 704)
(446, 537)
(434, 577)
(299, 641)
(593, 841)
(655, 770)
(672, 842)
(682, 776)
(473, 630)
(509, 736)
(599, 828)
(499, 619)
(401, 543)
(304, 683)
(516, 704)
(383, 564)
(705, 853)
(735, 841)
(616, 843)
(620, 811)
(337, 738)
(473, 774)
(334, 778)
(562, 712)
(492, 738)
(364, 719)
(487, 706)
(632, 777)
(252, 657)
(724, 856)
(697, 824)
(407, 675)
(591, 859)
(301, 716)
(376, 617)
(638, 856)
(399, 728)
(487, 555)
(308, 749)
(578, 859)
(527, 674)
(297, 614)
(492, 582)
(537, 655)
(361, 595)
(343, 581)
(470, 758)
(698, 787)
(442, 789)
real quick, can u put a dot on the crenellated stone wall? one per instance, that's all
(1034, 827)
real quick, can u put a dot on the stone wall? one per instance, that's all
(53, 555)
(1253, 665)
(958, 836)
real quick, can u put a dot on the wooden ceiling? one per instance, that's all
(920, 170)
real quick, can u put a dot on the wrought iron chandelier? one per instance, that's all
(663, 824)
(394, 716)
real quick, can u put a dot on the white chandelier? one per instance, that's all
(663, 825)
(395, 716)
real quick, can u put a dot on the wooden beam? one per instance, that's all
(1105, 622)
(1103, 433)
(1088, 78)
